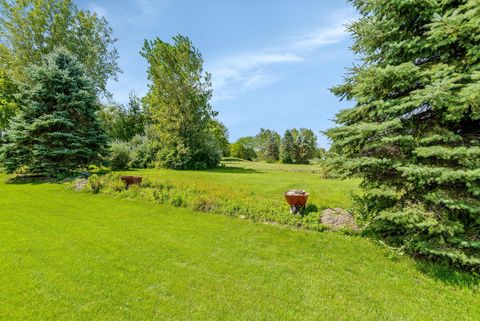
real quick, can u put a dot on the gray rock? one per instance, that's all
(337, 218)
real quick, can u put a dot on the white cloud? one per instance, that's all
(99, 10)
(236, 74)
(318, 38)
(150, 9)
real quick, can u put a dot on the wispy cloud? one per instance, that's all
(99, 10)
(236, 74)
(151, 9)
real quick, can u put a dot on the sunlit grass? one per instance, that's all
(77, 256)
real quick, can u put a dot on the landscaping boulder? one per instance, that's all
(337, 219)
(80, 184)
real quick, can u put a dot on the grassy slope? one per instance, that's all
(68, 255)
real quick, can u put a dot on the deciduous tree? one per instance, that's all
(178, 104)
(30, 29)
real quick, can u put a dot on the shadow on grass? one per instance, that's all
(233, 170)
(32, 180)
(448, 275)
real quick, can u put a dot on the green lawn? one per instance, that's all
(76, 256)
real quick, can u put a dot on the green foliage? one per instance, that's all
(220, 132)
(178, 104)
(414, 133)
(95, 183)
(143, 152)
(287, 151)
(31, 29)
(124, 123)
(8, 102)
(246, 189)
(110, 183)
(298, 146)
(267, 145)
(244, 148)
(119, 155)
(57, 131)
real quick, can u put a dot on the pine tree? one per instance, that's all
(287, 150)
(56, 131)
(414, 133)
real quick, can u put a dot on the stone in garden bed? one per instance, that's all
(337, 219)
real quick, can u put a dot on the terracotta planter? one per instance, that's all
(130, 180)
(297, 199)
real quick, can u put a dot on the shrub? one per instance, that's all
(144, 152)
(120, 155)
(114, 183)
(95, 183)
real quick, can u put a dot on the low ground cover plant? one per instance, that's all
(208, 198)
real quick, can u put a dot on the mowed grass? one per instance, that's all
(77, 256)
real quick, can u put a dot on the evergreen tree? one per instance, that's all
(178, 104)
(268, 145)
(414, 133)
(56, 130)
(287, 151)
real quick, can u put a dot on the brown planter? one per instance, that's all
(130, 180)
(296, 199)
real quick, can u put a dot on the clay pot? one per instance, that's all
(130, 180)
(296, 197)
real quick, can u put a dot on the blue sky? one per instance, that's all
(272, 61)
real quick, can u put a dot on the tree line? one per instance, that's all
(297, 146)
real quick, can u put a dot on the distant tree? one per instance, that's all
(413, 135)
(30, 29)
(56, 131)
(268, 145)
(298, 146)
(220, 132)
(306, 142)
(123, 123)
(321, 153)
(287, 150)
(178, 104)
(244, 148)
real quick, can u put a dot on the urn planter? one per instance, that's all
(130, 180)
(297, 199)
